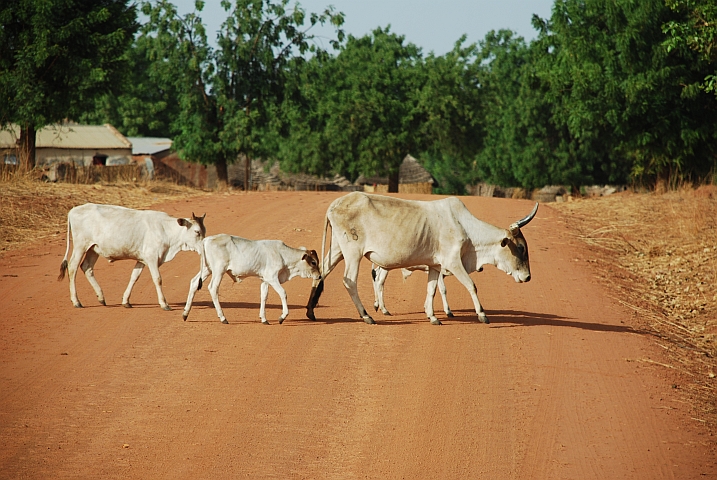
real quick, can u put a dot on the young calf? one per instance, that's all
(270, 260)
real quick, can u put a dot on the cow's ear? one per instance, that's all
(306, 255)
(504, 242)
(183, 222)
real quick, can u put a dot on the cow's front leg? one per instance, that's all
(442, 290)
(350, 282)
(276, 285)
(136, 272)
(430, 293)
(193, 287)
(465, 279)
(157, 278)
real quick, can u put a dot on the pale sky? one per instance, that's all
(432, 25)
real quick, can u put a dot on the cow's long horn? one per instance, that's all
(524, 221)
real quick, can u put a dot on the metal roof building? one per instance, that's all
(68, 143)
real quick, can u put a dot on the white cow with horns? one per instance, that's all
(118, 233)
(394, 233)
(270, 260)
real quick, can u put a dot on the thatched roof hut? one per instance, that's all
(412, 178)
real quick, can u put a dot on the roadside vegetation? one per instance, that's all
(656, 254)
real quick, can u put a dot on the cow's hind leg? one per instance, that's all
(262, 308)
(442, 290)
(430, 293)
(350, 282)
(78, 253)
(88, 266)
(380, 275)
(136, 272)
(214, 292)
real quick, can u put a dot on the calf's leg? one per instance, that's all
(157, 278)
(198, 279)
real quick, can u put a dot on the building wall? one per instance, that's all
(80, 157)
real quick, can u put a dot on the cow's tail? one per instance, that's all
(318, 285)
(63, 265)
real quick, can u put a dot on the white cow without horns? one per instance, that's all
(270, 260)
(118, 233)
(395, 233)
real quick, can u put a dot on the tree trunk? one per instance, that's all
(247, 173)
(26, 154)
(222, 174)
(393, 182)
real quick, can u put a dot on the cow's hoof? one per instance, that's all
(369, 320)
(127, 305)
(435, 321)
(184, 316)
(450, 314)
(375, 308)
(224, 321)
(167, 308)
(265, 322)
(281, 320)
(310, 316)
(102, 302)
(387, 313)
(483, 319)
(78, 305)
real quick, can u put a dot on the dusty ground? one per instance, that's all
(564, 383)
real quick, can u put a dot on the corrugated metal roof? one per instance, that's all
(149, 145)
(70, 137)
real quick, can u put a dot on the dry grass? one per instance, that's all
(33, 210)
(658, 254)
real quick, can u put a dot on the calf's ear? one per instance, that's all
(183, 222)
(504, 242)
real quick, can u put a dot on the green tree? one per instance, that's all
(450, 105)
(620, 94)
(147, 102)
(357, 113)
(56, 58)
(226, 96)
(695, 29)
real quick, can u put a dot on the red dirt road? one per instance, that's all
(558, 386)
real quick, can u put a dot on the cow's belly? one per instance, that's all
(391, 260)
(115, 253)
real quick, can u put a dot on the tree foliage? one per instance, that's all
(56, 57)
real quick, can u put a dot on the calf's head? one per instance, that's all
(512, 257)
(193, 233)
(309, 265)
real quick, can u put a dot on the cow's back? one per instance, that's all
(401, 232)
(117, 232)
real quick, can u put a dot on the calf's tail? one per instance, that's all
(63, 266)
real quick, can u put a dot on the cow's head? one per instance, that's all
(309, 265)
(193, 233)
(513, 257)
